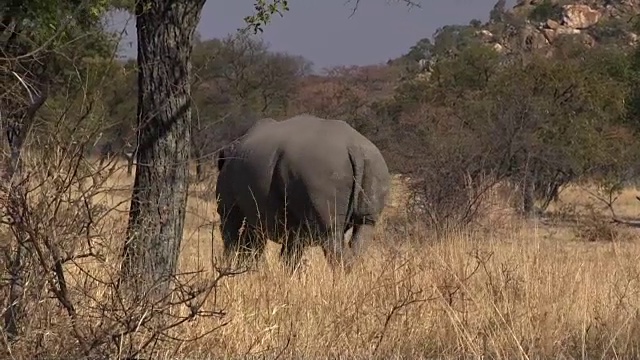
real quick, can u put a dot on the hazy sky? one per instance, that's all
(321, 30)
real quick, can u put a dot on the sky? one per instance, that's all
(323, 32)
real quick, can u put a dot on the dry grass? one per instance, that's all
(516, 290)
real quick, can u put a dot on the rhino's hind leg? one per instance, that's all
(335, 252)
(230, 225)
(360, 237)
(291, 251)
(250, 248)
(240, 243)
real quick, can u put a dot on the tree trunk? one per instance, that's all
(528, 189)
(197, 153)
(165, 31)
(130, 165)
(130, 159)
(528, 197)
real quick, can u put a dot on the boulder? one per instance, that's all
(531, 38)
(563, 30)
(579, 16)
(552, 24)
(485, 35)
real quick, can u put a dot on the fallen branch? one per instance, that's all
(609, 200)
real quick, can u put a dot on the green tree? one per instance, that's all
(497, 13)
(565, 110)
(117, 137)
(540, 123)
(451, 39)
(47, 48)
(421, 50)
(236, 80)
(547, 9)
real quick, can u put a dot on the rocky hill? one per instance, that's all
(535, 26)
(540, 24)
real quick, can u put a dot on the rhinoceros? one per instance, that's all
(304, 181)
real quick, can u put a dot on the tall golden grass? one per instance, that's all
(510, 289)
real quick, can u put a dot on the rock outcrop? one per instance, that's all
(541, 25)
(580, 19)
(579, 16)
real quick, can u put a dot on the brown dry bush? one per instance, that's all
(62, 236)
(448, 168)
(598, 220)
(595, 227)
(500, 294)
(503, 297)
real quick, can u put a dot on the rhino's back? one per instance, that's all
(301, 164)
(341, 141)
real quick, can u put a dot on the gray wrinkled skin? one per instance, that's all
(301, 182)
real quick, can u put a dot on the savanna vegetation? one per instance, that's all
(510, 232)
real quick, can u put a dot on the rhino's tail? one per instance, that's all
(360, 209)
(356, 170)
(371, 182)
